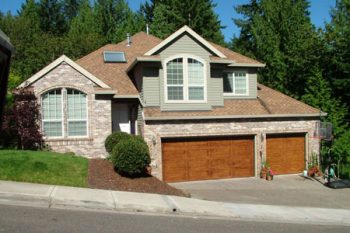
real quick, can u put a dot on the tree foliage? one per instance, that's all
(166, 16)
(282, 36)
(337, 58)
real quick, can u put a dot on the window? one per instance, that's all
(67, 106)
(185, 79)
(52, 113)
(236, 83)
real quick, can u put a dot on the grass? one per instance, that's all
(43, 167)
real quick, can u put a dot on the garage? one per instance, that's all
(286, 153)
(187, 159)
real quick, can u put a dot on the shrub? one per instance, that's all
(21, 122)
(131, 157)
(113, 139)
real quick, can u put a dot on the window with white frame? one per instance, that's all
(236, 83)
(185, 79)
(64, 107)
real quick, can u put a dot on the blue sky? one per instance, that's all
(319, 12)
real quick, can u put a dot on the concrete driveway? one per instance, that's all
(289, 190)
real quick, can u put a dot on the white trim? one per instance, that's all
(246, 65)
(234, 116)
(178, 33)
(185, 84)
(233, 83)
(57, 62)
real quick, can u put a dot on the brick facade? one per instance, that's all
(99, 112)
(155, 131)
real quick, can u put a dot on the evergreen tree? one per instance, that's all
(83, 36)
(282, 36)
(114, 19)
(71, 8)
(52, 18)
(166, 16)
(337, 58)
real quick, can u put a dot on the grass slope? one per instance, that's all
(43, 167)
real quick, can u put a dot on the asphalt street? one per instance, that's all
(18, 219)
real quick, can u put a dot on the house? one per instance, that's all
(197, 105)
(6, 50)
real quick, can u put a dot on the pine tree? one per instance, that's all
(337, 58)
(114, 19)
(83, 36)
(52, 18)
(282, 36)
(166, 16)
(71, 8)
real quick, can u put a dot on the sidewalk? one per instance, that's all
(51, 196)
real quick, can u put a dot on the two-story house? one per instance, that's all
(198, 106)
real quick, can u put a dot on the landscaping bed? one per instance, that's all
(102, 176)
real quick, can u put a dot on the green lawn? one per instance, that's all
(43, 167)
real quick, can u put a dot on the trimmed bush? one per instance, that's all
(113, 139)
(131, 157)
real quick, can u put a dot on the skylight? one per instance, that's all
(113, 57)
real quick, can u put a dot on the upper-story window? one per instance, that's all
(236, 83)
(185, 79)
(64, 113)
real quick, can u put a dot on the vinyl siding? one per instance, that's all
(185, 44)
(151, 86)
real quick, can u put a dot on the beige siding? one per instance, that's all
(151, 88)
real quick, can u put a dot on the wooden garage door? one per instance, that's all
(286, 153)
(209, 158)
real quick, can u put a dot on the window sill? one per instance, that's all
(67, 139)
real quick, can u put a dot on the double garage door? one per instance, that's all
(209, 158)
(186, 159)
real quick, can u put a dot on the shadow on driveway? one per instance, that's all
(288, 190)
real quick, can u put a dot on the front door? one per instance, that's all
(120, 118)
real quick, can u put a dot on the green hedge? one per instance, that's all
(113, 139)
(131, 157)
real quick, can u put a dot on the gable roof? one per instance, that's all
(270, 103)
(180, 32)
(56, 63)
(115, 74)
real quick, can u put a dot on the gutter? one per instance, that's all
(246, 65)
(234, 117)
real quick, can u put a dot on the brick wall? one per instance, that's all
(99, 112)
(155, 131)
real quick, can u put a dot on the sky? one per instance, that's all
(319, 10)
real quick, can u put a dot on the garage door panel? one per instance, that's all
(209, 158)
(286, 153)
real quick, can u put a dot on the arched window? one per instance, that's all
(64, 113)
(185, 79)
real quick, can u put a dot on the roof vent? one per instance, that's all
(113, 57)
(128, 39)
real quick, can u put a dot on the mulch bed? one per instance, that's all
(103, 176)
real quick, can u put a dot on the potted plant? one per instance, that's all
(269, 174)
(263, 170)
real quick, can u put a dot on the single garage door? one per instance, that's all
(286, 153)
(188, 159)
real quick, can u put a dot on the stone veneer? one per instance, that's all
(154, 131)
(99, 112)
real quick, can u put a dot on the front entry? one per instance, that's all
(121, 118)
